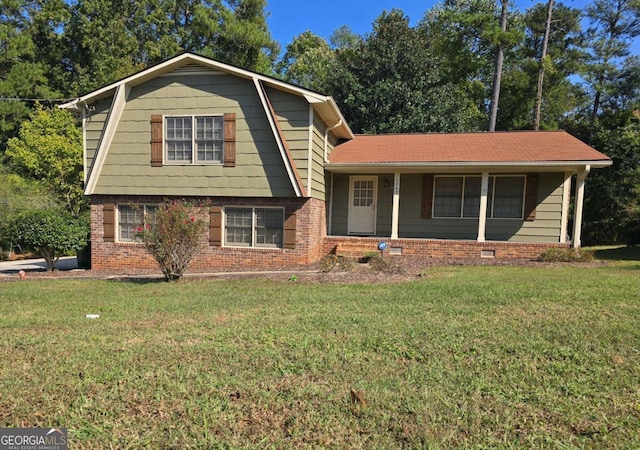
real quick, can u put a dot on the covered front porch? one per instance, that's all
(442, 208)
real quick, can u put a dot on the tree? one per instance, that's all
(48, 150)
(612, 203)
(307, 62)
(30, 47)
(392, 83)
(18, 195)
(615, 22)
(174, 237)
(51, 232)
(564, 58)
(497, 77)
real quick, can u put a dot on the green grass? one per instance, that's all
(467, 357)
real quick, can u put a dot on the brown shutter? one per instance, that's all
(531, 197)
(290, 228)
(427, 196)
(109, 222)
(156, 140)
(230, 140)
(215, 225)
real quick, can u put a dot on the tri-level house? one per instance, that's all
(285, 181)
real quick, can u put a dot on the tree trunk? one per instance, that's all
(543, 55)
(497, 75)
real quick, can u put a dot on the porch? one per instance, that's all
(412, 212)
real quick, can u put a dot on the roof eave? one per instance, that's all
(458, 166)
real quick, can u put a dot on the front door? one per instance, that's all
(363, 197)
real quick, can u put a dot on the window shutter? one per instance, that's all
(290, 228)
(109, 222)
(531, 197)
(230, 140)
(156, 140)
(215, 225)
(427, 196)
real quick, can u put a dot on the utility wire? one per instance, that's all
(18, 99)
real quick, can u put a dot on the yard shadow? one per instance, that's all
(618, 254)
(138, 280)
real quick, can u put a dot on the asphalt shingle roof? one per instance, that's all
(499, 147)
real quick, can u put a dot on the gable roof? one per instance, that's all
(459, 150)
(324, 105)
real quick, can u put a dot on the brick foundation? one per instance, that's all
(437, 248)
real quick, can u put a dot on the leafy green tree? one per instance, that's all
(48, 150)
(51, 232)
(30, 43)
(174, 237)
(18, 195)
(307, 62)
(392, 83)
(465, 36)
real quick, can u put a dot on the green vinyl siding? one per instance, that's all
(318, 186)
(94, 125)
(545, 228)
(292, 113)
(259, 169)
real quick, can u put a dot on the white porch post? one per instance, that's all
(482, 220)
(577, 219)
(566, 198)
(395, 211)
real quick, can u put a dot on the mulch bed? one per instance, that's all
(398, 270)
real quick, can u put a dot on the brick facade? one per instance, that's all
(312, 242)
(310, 228)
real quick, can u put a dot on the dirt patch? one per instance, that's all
(352, 272)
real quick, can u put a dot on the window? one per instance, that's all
(459, 196)
(254, 227)
(194, 139)
(131, 217)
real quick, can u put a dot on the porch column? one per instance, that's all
(395, 210)
(566, 198)
(482, 220)
(577, 217)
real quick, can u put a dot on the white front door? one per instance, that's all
(363, 196)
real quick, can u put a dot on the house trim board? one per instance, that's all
(285, 153)
(115, 113)
(566, 198)
(310, 154)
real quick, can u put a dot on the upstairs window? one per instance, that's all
(194, 139)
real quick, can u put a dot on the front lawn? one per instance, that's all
(473, 357)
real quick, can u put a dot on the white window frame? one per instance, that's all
(490, 196)
(254, 224)
(194, 151)
(145, 212)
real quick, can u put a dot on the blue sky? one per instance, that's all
(289, 18)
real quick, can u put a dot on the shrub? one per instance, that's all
(565, 255)
(381, 264)
(51, 232)
(174, 237)
(328, 262)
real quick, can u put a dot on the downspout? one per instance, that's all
(326, 139)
